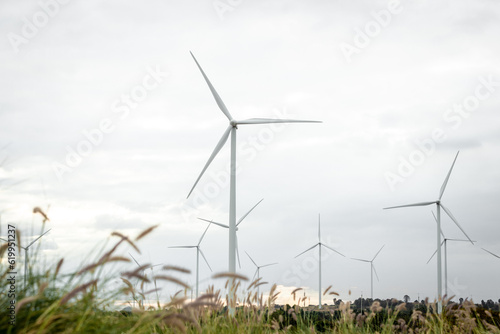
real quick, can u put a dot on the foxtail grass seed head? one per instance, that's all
(145, 232)
(37, 209)
(179, 269)
(230, 275)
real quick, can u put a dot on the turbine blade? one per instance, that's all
(211, 221)
(271, 120)
(352, 258)
(204, 258)
(455, 221)
(443, 187)
(133, 258)
(237, 250)
(220, 144)
(435, 218)
(252, 259)
(490, 252)
(246, 214)
(442, 242)
(333, 250)
(460, 240)
(182, 246)
(267, 265)
(375, 271)
(217, 98)
(408, 205)
(378, 252)
(38, 238)
(255, 274)
(319, 228)
(306, 250)
(199, 242)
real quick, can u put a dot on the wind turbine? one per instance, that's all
(198, 252)
(257, 271)
(231, 130)
(237, 224)
(26, 252)
(444, 242)
(439, 206)
(149, 267)
(319, 259)
(372, 268)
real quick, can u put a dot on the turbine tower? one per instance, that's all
(444, 242)
(257, 271)
(231, 130)
(237, 224)
(198, 252)
(439, 206)
(319, 259)
(372, 268)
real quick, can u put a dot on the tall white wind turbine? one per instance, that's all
(237, 227)
(319, 259)
(439, 206)
(372, 270)
(198, 252)
(27, 254)
(257, 271)
(231, 130)
(445, 243)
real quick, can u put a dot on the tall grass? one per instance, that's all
(78, 303)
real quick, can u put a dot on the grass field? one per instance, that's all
(77, 304)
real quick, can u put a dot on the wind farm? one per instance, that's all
(158, 128)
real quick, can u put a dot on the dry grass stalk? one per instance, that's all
(125, 238)
(294, 292)
(179, 269)
(173, 280)
(230, 275)
(37, 209)
(59, 265)
(3, 248)
(75, 291)
(25, 301)
(145, 232)
(327, 289)
(256, 281)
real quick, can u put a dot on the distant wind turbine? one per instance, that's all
(144, 275)
(257, 271)
(439, 205)
(198, 252)
(319, 259)
(237, 224)
(26, 252)
(372, 270)
(231, 130)
(445, 240)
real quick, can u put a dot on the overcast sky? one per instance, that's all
(105, 117)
